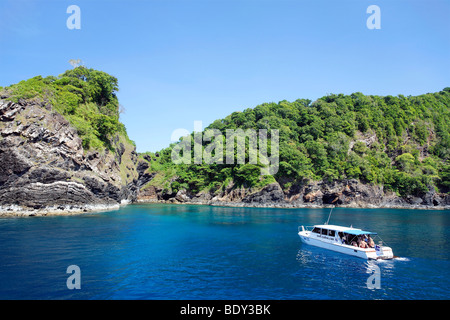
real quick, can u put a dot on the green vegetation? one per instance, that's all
(402, 143)
(86, 97)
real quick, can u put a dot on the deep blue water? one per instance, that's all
(200, 252)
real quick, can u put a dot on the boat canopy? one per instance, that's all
(357, 232)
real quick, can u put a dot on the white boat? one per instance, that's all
(347, 240)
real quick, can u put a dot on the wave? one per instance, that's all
(402, 259)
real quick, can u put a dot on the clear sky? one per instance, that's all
(178, 61)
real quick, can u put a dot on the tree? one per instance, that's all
(405, 161)
(75, 62)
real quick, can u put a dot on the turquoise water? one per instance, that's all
(200, 252)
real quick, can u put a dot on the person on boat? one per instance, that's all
(370, 242)
(364, 239)
(343, 237)
(362, 243)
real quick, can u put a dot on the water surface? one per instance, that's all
(156, 251)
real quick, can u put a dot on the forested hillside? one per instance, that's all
(397, 142)
(86, 97)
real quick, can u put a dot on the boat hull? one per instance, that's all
(383, 253)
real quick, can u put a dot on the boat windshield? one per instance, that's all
(325, 232)
(316, 230)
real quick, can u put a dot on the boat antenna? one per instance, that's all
(329, 215)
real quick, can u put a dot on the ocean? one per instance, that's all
(165, 252)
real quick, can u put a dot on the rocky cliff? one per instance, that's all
(349, 193)
(44, 168)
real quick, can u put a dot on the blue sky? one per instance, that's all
(186, 60)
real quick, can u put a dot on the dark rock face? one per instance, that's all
(349, 193)
(43, 164)
(144, 177)
(272, 193)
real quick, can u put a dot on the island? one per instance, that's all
(63, 150)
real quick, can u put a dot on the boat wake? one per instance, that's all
(401, 259)
(395, 258)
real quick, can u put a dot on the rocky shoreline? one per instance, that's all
(348, 194)
(19, 211)
(292, 206)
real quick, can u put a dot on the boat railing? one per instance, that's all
(375, 237)
(305, 228)
(381, 242)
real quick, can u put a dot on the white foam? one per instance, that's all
(401, 259)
